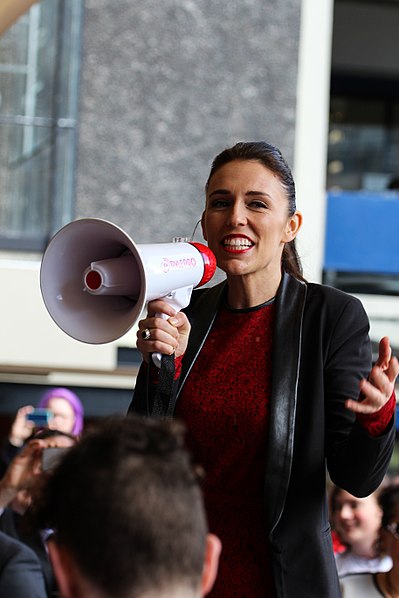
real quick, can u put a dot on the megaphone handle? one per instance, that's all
(178, 299)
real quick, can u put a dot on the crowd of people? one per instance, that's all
(252, 463)
(28, 454)
(118, 513)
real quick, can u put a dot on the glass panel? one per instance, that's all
(363, 147)
(39, 67)
(24, 179)
(393, 154)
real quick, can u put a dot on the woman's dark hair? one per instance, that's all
(271, 157)
(389, 502)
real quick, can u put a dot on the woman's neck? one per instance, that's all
(365, 550)
(245, 292)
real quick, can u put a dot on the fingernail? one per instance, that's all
(173, 321)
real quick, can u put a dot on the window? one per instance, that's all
(363, 150)
(39, 75)
(362, 180)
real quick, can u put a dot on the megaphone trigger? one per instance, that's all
(177, 299)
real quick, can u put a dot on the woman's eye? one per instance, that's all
(220, 203)
(258, 204)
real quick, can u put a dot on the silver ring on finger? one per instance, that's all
(146, 334)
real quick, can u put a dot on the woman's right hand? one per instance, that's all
(21, 428)
(167, 335)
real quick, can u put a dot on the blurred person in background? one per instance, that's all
(66, 414)
(18, 488)
(357, 522)
(385, 583)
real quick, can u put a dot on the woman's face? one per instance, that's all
(357, 520)
(245, 221)
(63, 415)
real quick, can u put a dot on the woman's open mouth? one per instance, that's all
(237, 244)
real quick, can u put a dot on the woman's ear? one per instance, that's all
(211, 563)
(65, 570)
(203, 226)
(293, 225)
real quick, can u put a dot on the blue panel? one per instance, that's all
(362, 232)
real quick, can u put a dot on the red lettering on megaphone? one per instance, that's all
(167, 264)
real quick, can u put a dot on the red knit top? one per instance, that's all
(225, 404)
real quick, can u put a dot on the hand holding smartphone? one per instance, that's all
(40, 417)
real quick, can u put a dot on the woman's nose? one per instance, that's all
(54, 422)
(237, 215)
(346, 512)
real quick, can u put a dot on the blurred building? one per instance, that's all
(115, 111)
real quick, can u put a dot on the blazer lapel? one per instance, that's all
(290, 305)
(205, 310)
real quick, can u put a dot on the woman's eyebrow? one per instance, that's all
(261, 193)
(227, 192)
(220, 192)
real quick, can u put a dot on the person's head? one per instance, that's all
(66, 408)
(257, 173)
(389, 538)
(127, 510)
(356, 520)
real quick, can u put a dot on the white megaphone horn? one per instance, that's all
(95, 280)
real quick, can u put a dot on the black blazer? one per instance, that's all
(20, 528)
(20, 572)
(321, 350)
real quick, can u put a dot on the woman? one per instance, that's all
(66, 409)
(67, 415)
(385, 583)
(357, 523)
(267, 376)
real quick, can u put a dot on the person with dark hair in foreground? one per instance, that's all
(265, 370)
(126, 509)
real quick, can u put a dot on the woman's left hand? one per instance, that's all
(379, 386)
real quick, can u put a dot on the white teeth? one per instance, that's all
(238, 243)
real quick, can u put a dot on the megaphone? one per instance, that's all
(95, 280)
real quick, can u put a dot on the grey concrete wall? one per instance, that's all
(167, 84)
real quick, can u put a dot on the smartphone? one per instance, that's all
(40, 417)
(52, 456)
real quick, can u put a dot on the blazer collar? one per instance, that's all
(290, 304)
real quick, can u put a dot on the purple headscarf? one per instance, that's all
(72, 399)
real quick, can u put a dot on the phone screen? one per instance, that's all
(40, 417)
